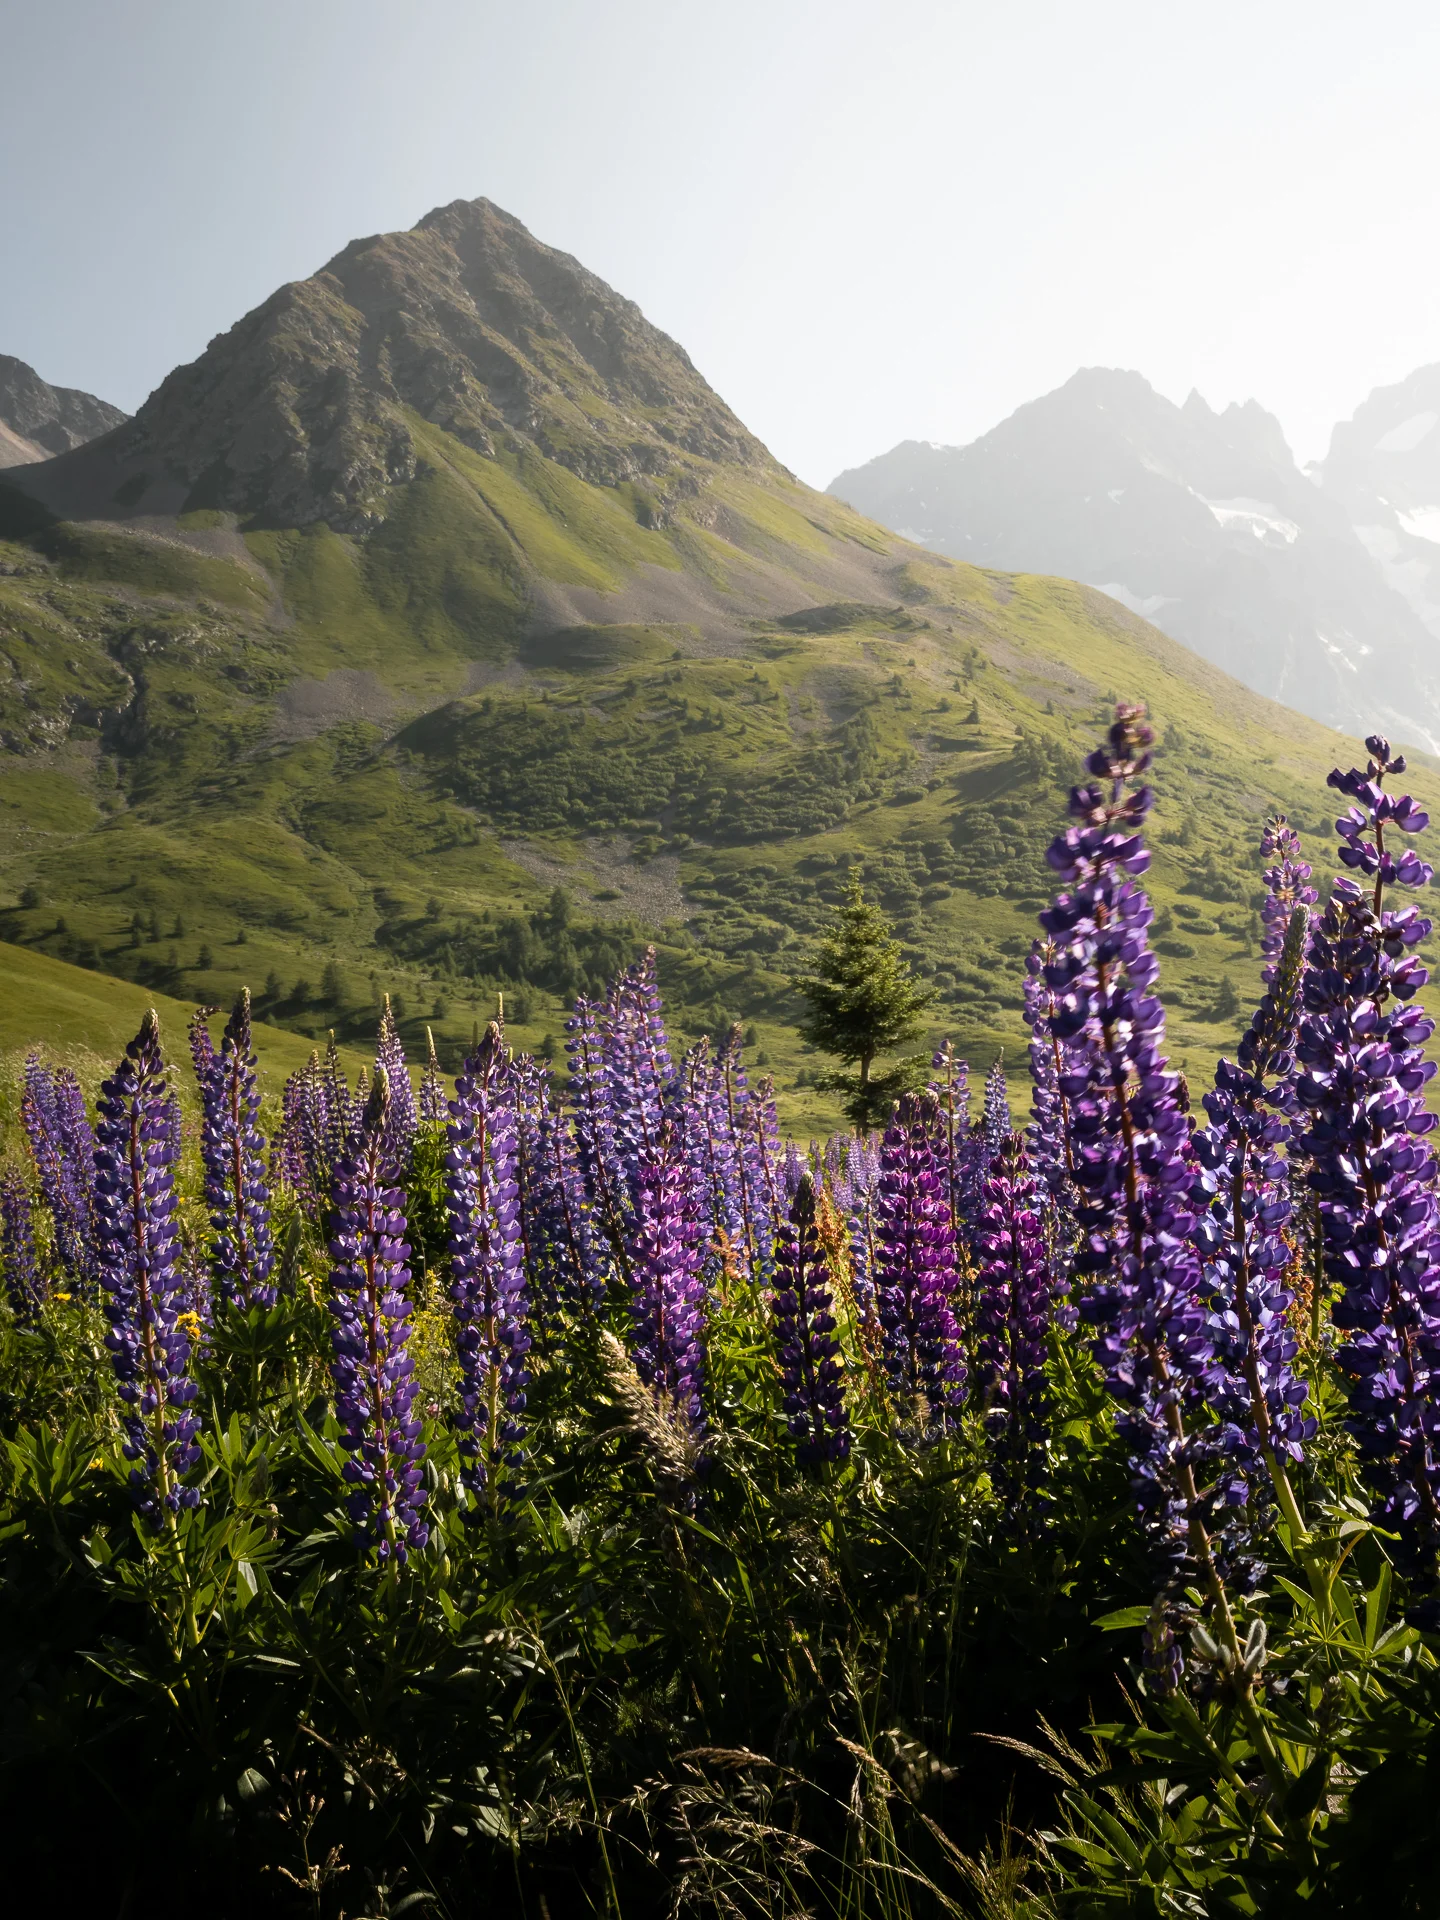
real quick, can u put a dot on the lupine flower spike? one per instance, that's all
(1361, 1079)
(151, 1334)
(487, 1257)
(1013, 1319)
(810, 1364)
(24, 1287)
(232, 1148)
(62, 1145)
(915, 1276)
(668, 1292)
(373, 1372)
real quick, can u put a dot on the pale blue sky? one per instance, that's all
(864, 221)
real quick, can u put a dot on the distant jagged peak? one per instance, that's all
(38, 420)
(304, 411)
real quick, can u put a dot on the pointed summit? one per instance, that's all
(312, 407)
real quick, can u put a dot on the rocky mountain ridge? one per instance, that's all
(38, 421)
(305, 410)
(1200, 521)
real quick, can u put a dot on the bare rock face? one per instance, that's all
(38, 420)
(305, 410)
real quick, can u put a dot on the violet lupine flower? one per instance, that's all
(243, 1255)
(1360, 1082)
(1130, 1142)
(753, 1132)
(371, 1367)
(600, 1163)
(1286, 888)
(667, 1291)
(62, 1145)
(24, 1287)
(1242, 1195)
(488, 1264)
(760, 1154)
(432, 1086)
(639, 1073)
(862, 1180)
(563, 1260)
(915, 1276)
(343, 1109)
(950, 1084)
(810, 1364)
(298, 1151)
(1012, 1316)
(713, 1151)
(794, 1167)
(151, 1336)
(995, 1120)
(401, 1122)
(1048, 1135)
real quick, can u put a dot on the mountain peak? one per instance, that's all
(305, 410)
(38, 420)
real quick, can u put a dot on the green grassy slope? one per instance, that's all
(330, 765)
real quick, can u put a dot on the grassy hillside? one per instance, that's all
(527, 722)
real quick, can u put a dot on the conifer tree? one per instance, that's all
(863, 1001)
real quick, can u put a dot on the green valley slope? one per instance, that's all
(441, 631)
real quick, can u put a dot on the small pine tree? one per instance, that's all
(863, 1001)
(1227, 1000)
(332, 984)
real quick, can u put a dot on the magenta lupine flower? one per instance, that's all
(432, 1086)
(25, 1288)
(1286, 888)
(371, 1367)
(564, 1262)
(401, 1121)
(231, 1145)
(809, 1354)
(149, 1340)
(1130, 1142)
(1012, 1318)
(1360, 1081)
(62, 1145)
(667, 1291)
(487, 1259)
(915, 1271)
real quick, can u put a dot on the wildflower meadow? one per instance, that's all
(553, 1493)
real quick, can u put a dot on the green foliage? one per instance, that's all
(862, 1000)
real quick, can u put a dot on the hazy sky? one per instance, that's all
(866, 222)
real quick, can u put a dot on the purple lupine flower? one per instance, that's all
(151, 1337)
(1242, 1196)
(995, 1121)
(1360, 1080)
(794, 1167)
(299, 1153)
(862, 1177)
(371, 1367)
(1048, 1145)
(401, 1121)
(243, 1255)
(950, 1084)
(710, 1144)
(1130, 1142)
(639, 1073)
(563, 1259)
(1286, 888)
(62, 1144)
(343, 1110)
(810, 1364)
(432, 1086)
(754, 1135)
(600, 1163)
(1012, 1317)
(760, 1163)
(24, 1287)
(488, 1264)
(915, 1275)
(667, 1292)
